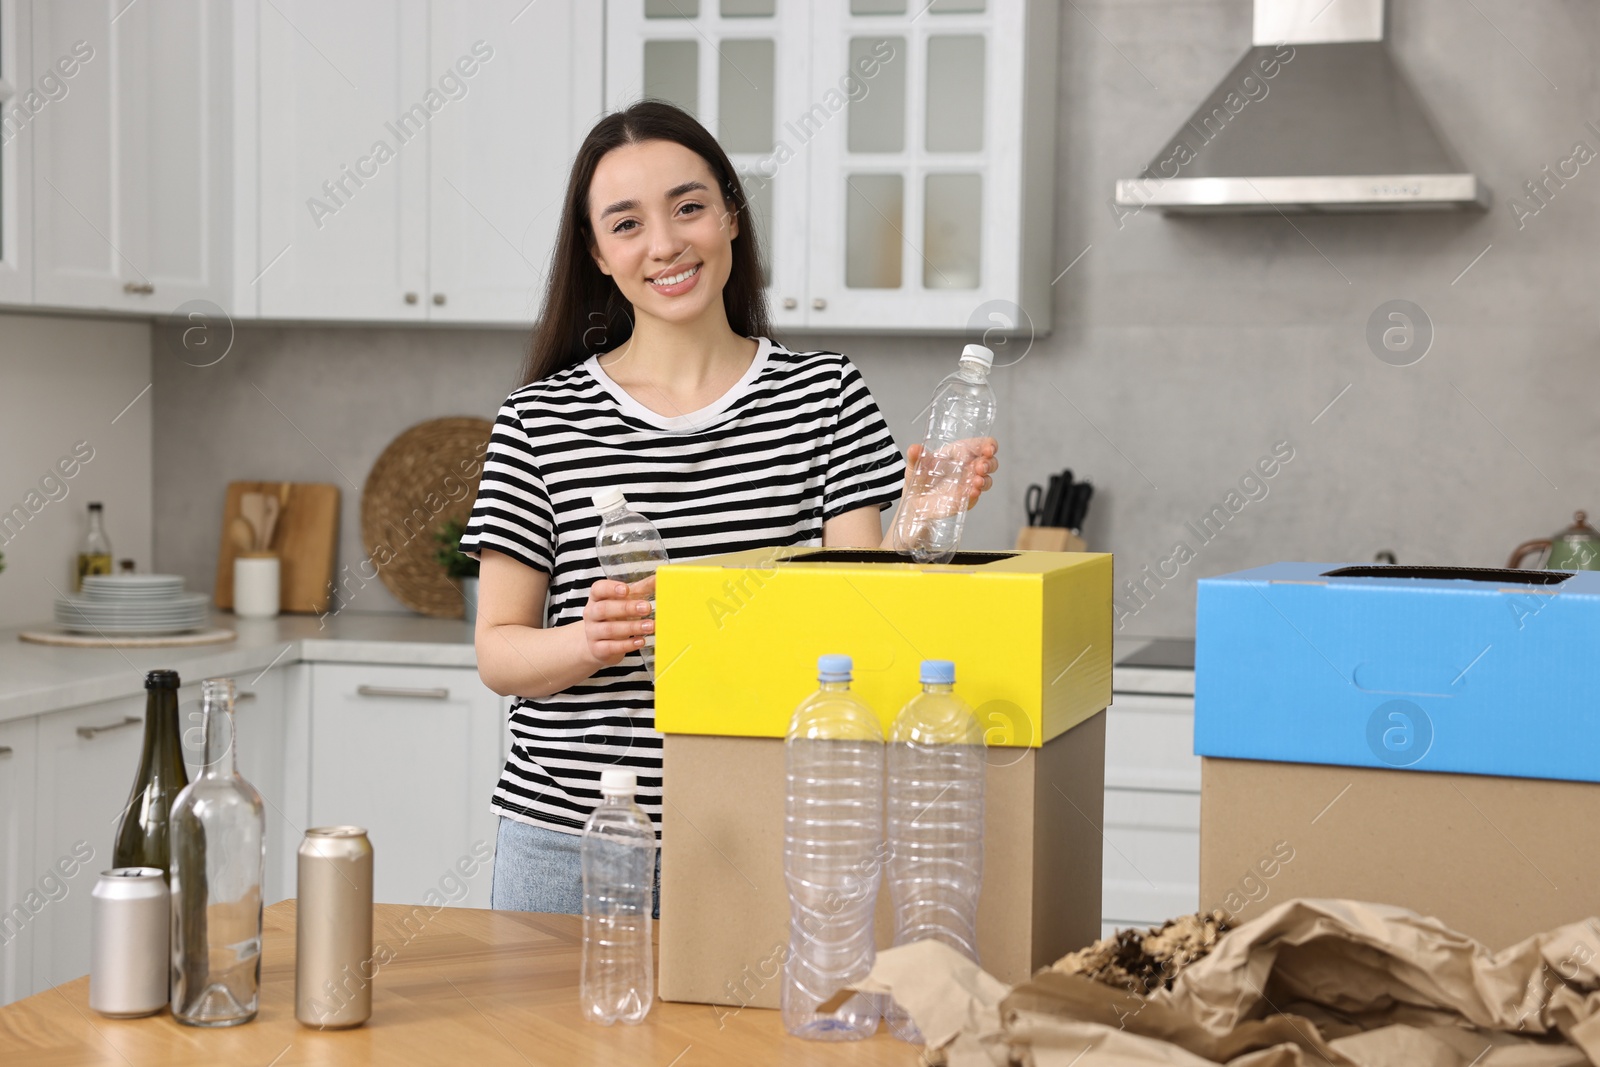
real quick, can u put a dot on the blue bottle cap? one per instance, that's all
(833, 668)
(938, 672)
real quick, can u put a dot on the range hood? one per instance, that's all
(1315, 117)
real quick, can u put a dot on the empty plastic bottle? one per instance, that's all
(832, 856)
(935, 867)
(618, 854)
(934, 507)
(630, 550)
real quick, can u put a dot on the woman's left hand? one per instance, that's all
(984, 456)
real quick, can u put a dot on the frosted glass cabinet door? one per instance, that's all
(739, 67)
(914, 199)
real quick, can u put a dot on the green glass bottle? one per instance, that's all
(142, 838)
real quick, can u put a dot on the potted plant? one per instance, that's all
(459, 567)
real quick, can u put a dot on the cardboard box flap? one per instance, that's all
(1442, 669)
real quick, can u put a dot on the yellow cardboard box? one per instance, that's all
(737, 643)
(738, 636)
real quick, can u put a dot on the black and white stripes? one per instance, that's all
(797, 440)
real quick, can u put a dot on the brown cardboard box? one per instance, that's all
(1497, 858)
(725, 908)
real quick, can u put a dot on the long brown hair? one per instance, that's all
(584, 313)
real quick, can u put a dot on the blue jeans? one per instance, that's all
(539, 870)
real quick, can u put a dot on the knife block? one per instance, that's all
(1049, 539)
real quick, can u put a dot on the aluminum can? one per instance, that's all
(130, 948)
(334, 966)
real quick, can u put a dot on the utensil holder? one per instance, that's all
(256, 585)
(1049, 539)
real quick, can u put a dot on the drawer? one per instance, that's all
(1151, 857)
(1150, 743)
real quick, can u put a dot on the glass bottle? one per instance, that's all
(218, 852)
(95, 556)
(142, 839)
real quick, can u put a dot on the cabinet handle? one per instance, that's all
(5, 750)
(819, 304)
(438, 299)
(790, 303)
(240, 698)
(440, 693)
(88, 732)
(411, 298)
(139, 288)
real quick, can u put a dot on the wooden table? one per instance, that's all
(481, 988)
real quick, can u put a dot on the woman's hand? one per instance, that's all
(982, 455)
(617, 617)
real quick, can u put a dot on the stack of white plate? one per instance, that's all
(130, 604)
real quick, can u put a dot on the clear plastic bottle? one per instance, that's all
(935, 832)
(933, 509)
(630, 550)
(218, 832)
(619, 864)
(832, 856)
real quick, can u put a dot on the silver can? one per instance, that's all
(334, 964)
(130, 951)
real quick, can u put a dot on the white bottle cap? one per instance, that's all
(608, 498)
(618, 784)
(979, 353)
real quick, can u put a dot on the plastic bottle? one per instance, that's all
(935, 866)
(630, 550)
(832, 856)
(934, 507)
(618, 854)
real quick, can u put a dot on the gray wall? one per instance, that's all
(1183, 350)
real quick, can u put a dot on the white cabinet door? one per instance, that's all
(18, 100)
(915, 186)
(87, 760)
(347, 102)
(740, 68)
(24, 889)
(131, 163)
(522, 85)
(412, 754)
(1150, 743)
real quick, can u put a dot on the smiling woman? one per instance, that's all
(651, 371)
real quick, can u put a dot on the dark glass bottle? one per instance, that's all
(142, 838)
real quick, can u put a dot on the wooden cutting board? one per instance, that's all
(306, 540)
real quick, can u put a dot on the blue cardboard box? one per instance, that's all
(1428, 668)
(1421, 736)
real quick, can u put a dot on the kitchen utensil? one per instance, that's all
(269, 522)
(241, 534)
(425, 478)
(305, 539)
(1577, 548)
(253, 508)
(1052, 501)
(1033, 503)
(1078, 506)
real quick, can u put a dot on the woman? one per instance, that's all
(652, 371)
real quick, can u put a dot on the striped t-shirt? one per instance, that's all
(797, 440)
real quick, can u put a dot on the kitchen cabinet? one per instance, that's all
(1152, 814)
(412, 754)
(901, 167)
(130, 164)
(16, 158)
(20, 889)
(86, 761)
(414, 155)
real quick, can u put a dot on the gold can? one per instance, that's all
(334, 963)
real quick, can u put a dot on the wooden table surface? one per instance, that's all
(481, 988)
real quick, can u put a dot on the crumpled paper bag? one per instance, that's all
(1309, 983)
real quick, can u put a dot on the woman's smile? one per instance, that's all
(676, 281)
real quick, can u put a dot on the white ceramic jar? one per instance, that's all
(255, 585)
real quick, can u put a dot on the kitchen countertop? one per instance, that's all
(35, 679)
(487, 988)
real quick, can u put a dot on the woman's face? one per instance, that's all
(662, 229)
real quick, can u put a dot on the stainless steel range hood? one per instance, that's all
(1315, 117)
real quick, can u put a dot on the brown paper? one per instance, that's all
(1310, 983)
